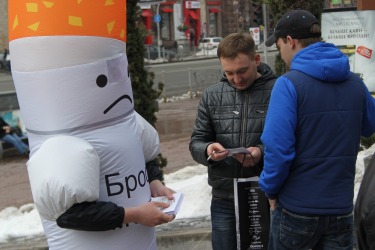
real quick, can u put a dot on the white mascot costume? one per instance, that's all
(71, 76)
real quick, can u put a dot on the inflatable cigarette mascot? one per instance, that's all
(71, 76)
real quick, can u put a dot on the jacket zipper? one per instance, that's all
(243, 124)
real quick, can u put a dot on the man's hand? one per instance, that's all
(273, 203)
(7, 129)
(158, 189)
(148, 214)
(251, 159)
(216, 152)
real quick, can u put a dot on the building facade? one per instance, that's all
(3, 25)
(196, 19)
(182, 19)
(191, 19)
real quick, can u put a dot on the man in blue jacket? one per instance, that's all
(317, 113)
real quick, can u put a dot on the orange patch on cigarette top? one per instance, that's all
(104, 18)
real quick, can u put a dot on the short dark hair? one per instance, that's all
(236, 43)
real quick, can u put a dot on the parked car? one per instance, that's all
(152, 53)
(210, 42)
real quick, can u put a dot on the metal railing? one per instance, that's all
(8, 101)
(198, 81)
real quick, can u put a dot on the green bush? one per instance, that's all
(145, 95)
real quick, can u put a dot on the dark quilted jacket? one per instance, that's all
(364, 213)
(2, 124)
(234, 118)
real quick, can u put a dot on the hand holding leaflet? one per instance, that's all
(174, 205)
(231, 151)
(240, 150)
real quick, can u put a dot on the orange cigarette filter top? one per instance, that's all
(103, 18)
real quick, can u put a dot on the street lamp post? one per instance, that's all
(265, 49)
(235, 5)
(158, 28)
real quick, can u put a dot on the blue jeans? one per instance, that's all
(223, 221)
(16, 142)
(295, 231)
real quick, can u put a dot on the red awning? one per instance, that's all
(147, 13)
(213, 10)
(169, 10)
(193, 15)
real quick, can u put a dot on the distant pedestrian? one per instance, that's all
(6, 59)
(5, 55)
(9, 135)
(192, 37)
(317, 113)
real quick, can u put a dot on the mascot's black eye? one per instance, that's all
(101, 81)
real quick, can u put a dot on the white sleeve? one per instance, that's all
(64, 171)
(149, 138)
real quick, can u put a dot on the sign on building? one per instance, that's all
(353, 33)
(255, 33)
(192, 5)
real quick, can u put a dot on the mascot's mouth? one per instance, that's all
(117, 101)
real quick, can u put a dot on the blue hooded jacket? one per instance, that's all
(316, 116)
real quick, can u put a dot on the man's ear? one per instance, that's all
(257, 59)
(291, 41)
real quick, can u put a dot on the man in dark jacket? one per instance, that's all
(231, 114)
(364, 212)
